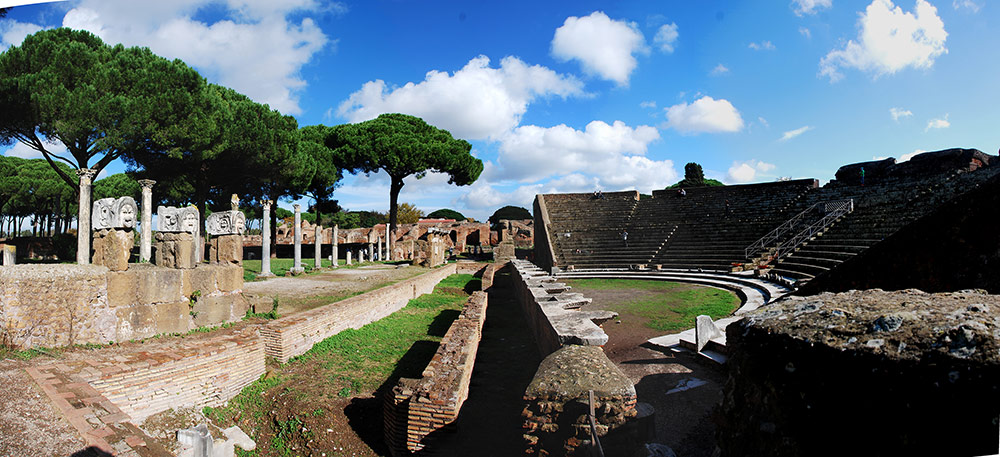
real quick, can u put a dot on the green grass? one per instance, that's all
(280, 266)
(672, 307)
(349, 363)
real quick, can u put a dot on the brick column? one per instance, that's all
(83, 217)
(146, 235)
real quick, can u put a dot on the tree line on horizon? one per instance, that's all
(200, 142)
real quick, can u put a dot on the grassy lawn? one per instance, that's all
(666, 306)
(315, 386)
(280, 266)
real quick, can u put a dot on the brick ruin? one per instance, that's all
(458, 236)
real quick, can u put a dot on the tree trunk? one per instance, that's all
(394, 188)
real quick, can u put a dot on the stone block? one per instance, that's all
(122, 288)
(9, 254)
(214, 309)
(172, 317)
(201, 279)
(226, 249)
(175, 250)
(225, 223)
(173, 219)
(704, 331)
(112, 248)
(158, 285)
(109, 213)
(136, 321)
(230, 278)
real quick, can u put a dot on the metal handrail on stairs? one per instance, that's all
(840, 207)
(834, 210)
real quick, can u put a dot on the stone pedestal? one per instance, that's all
(226, 249)
(175, 250)
(112, 248)
(348, 257)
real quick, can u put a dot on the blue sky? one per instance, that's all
(575, 96)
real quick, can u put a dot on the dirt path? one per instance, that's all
(681, 387)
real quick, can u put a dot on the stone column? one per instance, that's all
(371, 252)
(388, 243)
(348, 256)
(319, 245)
(335, 254)
(83, 217)
(146, 235)
(265, 241)
(297, 237)
(381, 253)
(361, 255)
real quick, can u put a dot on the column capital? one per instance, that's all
(88, 173)
(146, 183)
(266, 203)
(297, 207)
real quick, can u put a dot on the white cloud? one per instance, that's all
(666, 37)
(763, 122)
(805, 32)
(897, 113)
(939, 123)
(905, 157)
(794, 133)
(719, 69)
(530, 152)
(744, 172)
(890, 40)
(762, 46)
(257, 51)
(803, 7)
(604, 47)
(648, 104)
(476, 102)
(967, 4)
(705, 115)
(12, 33)
(25, 152)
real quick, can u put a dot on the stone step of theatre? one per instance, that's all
(699, 231)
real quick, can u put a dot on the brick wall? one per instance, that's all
(207, 373)
(416, 408)
(294, 335)
(61, 305)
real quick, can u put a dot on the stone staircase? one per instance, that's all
(881, 210)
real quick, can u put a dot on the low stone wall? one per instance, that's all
(61, 305)
(556, 416)
(899, 373)
(552, 311)
(415, 408)
(294, 335)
